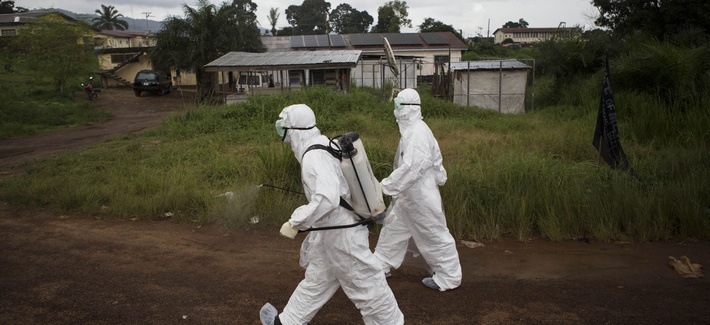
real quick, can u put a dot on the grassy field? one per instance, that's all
(529, 175)
(30, 106)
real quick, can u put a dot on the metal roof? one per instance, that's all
(536, 30)
(365, 39)
(403, 38)
(368, 42)
(433, 38)
(286, 60)
(123, 33)
(18, 18)
(333, 40)
(489, 65)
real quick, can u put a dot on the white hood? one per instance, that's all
(299, 116)
(410, 108)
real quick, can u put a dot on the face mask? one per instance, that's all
(280, 129)
(283, 131)
(397, 103)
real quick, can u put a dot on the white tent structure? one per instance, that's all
(493, 84)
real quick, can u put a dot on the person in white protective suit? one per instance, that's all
(338, 258)
(416, 205)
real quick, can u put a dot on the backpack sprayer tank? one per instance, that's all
(365, 190)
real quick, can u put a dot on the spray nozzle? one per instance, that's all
(346, 143)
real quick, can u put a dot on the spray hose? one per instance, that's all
(362, 222)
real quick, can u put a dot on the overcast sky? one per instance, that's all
(470, 16)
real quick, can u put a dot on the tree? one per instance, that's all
(344, 19)
(57, 47)
(310, 18)
(523, 23)
(286, 31)
(243, 19)
(568, 58)
(204, 34)
(8, 7)
(512, 24)
(391, 17)
(430, 25)
(657, 18)
(273, 17)
(109, 18)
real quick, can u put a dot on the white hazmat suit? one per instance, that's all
(339, 258)
(418, 208)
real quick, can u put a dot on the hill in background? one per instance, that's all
(133, 24)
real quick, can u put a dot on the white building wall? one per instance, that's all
(427, 59)
(368, 73)
(502, 91)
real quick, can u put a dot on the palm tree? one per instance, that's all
(523, 23)
(109, 18)
(273, 18)
(204, 34)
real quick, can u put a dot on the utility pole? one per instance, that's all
(147, 14)
(147, 32)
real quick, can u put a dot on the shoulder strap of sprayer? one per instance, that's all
(337, 155)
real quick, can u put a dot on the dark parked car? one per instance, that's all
(153, 81)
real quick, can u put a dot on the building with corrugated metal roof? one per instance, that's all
(528, 36)
(498, 85)
(416, 54)
(278, 71)
(413, 55)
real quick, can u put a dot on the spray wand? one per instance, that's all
(363, 221)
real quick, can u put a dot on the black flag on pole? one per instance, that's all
(606, 133)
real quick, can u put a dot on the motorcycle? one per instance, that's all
(89, 89)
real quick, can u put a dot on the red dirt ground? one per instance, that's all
(78, 269)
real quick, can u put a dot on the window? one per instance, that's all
(9, 32)
(441, 58)
(295, 78)
(120, 58)
(254, 80)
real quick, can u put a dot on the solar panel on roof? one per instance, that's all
(297, 41)
(402, 39)
(322, 40)
(433, 39)
(315, 41)
(337, 41)
(355, 39)
(310, 41)
(366, 39)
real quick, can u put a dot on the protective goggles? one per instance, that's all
(398, 103)
(281, 129)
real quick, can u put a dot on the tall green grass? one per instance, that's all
(31, 106)
(525, 176)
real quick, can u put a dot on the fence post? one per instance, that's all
(532, 105)
(500, 86)
(468, 84)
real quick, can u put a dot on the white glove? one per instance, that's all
(288, 231)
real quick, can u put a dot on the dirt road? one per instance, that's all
(77, 269)
(130, 115)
